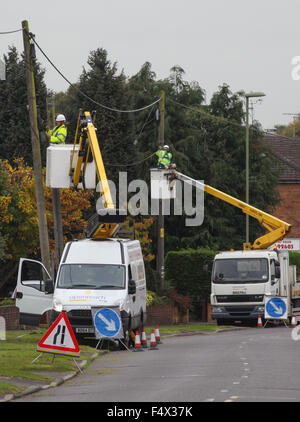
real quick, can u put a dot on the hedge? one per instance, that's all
(294, 258)
(184, 270)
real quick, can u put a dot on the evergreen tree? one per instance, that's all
(102, 84)
(208, 143)
(15, 137)
(216, 154)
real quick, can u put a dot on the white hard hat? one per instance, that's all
(60, 118)
(166, 146)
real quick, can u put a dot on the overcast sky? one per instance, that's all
(247, 44)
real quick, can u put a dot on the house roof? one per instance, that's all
(287, 150)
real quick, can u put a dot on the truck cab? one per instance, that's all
(241, 281)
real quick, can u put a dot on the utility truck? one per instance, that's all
(100, 270)
(242, 281)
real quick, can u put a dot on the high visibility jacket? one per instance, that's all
(164, 158)
(58, 134)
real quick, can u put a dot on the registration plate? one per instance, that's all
(84, 330)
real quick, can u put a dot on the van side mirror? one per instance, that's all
(49, 286)
(131, 287)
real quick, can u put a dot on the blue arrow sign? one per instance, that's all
(276, 307)
(107, 322)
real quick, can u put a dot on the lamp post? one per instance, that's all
(248, 95)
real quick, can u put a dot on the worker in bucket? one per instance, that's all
(59, 133)
(164, 157)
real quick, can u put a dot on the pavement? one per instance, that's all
(34, 386)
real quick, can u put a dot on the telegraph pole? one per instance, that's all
(160, 221)
(36, 153)
(58, 227)
(56, 204)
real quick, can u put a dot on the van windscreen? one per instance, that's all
(91, 276)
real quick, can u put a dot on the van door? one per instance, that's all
(31, 298)
(132, 298)
(136, 265)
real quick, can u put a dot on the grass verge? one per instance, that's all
(19, 350)
(6, 388)
(184, 328)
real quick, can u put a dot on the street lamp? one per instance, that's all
(248, 95)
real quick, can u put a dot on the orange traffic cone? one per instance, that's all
(153, 345)
(293, 322)
(259, 321)
(144, 338)
(137, 343)
(157, 335)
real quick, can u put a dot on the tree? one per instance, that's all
(216, 152)
(291, 129)
(144, 88)
(18, 216)
(102, 84)
(140, 226)
(15, 139)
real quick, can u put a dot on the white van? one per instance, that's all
(92, 273)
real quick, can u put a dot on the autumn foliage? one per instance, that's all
(18, 215)
(141, 226)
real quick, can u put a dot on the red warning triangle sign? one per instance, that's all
(60, 338)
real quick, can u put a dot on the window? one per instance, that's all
(91, 276)
(33, 275)
(243, 270)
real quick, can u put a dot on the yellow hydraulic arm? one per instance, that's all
(100, 227)
(276, 228)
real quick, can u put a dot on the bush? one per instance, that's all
(7, 302)
(154, 299)
(184, 270)
(295, 260)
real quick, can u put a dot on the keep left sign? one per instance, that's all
(276, 308)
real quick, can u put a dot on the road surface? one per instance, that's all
(255, 364)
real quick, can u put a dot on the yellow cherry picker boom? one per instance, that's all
(243, 282)
(100, 225)
(276, 228)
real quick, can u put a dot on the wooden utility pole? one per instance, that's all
(58, 228)
(36, 152)
(160, 262)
